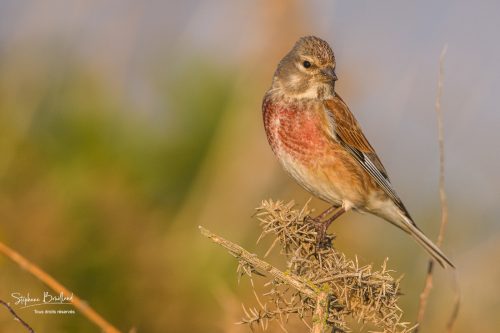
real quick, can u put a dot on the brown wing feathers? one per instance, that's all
(349, 131)
(349, 134)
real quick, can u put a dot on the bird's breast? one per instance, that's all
(295, 129)
(297, 133)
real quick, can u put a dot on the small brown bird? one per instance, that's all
(320, 144)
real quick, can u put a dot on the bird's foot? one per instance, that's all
(323, 240)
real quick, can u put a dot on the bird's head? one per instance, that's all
(308, 70)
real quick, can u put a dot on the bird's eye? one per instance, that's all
(306, 64)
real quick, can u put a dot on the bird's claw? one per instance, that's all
(310, 219)
(323, 240)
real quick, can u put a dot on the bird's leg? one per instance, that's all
(321, 216)
(322, 226)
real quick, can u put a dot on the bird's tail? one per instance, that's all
(425, 242)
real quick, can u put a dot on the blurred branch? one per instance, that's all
(456, 306)
(16, 316)
(439, 117)
(78, 303)
(424, 295)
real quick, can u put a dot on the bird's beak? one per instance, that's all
(330, 73)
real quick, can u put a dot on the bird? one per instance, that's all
(320, 144)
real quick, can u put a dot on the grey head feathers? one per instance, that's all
(307, 70)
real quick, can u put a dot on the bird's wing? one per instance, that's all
(346, 130)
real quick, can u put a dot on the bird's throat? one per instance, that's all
(320, 91)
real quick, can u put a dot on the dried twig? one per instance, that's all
(16, 316)
(439, 117)
(456, 306)
(37, 272)
(320, 313)
(260, 265)
(443, 203)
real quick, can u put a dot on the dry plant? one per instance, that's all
(16, 316)
(424, 295)
(52, 283)
(322, 287)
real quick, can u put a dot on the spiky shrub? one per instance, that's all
(368, 295)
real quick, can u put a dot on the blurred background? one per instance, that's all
(124, 125)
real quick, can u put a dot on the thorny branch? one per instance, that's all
(320, 286)
(320, 313)
(259, 265)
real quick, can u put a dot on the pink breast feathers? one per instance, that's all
(293, 129)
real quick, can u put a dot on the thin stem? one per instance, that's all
(424, 295)
(16, 316)
(439, 116)
(52, 283)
